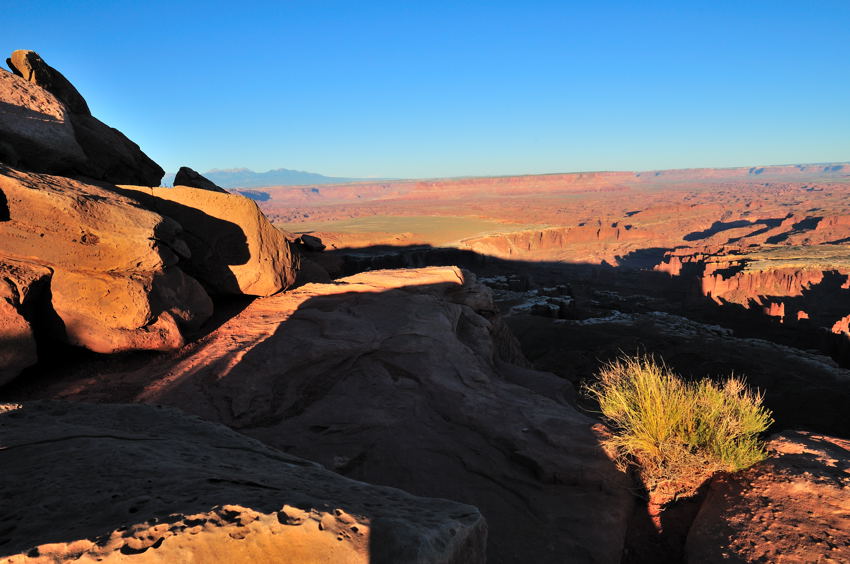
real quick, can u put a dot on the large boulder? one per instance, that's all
(32, 68)
(133, 482)
(21, 284)
(793, 507)
(401, 378)
(99, 152)
(35, 128)
(234, 248)
(188, 177)
(112, 157)
(115, 284)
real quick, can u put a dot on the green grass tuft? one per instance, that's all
(674, 432)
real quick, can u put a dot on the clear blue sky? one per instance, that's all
(429, 88)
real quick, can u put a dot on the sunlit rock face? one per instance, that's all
(114, 280)
(154, 485)
(233, 249)
(792, 507)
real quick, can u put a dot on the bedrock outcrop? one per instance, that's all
(233, 248)
(22, 285)
(32, 68)
(114, 282)
(36, 128)
(793, 507)
(145, 484)
(48, 128)
(404, 378)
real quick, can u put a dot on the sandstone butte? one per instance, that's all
(309, 406)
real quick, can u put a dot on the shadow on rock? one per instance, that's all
(110, 481)
(404, 378)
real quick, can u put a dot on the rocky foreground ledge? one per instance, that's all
(153, 485)
(404, 378)
(793, 507)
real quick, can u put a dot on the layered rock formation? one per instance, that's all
(115, 284)
(150, 484)
(791, 283)
(793, 507)
(48, 127)
(404, 378)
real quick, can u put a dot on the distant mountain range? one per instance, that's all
(246, 178)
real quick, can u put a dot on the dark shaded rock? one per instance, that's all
(188, 177)
(20, 286)
(31, 67)
(310, 271)
(311, 243)
(95, 482)
(98, 151)
(36, 132)
(402, 378)
(112, 157)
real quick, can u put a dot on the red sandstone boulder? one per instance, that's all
(144, 484)
(97, 151)
(793, 507)
(32, 68)
(35, 128)
(115, 283)
(234, 248)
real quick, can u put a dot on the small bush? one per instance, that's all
(678, 433)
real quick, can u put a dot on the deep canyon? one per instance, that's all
(395, 371)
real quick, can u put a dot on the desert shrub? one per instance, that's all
(677, 433)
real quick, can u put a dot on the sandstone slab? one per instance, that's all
(793, 507)
(404, 378)
(234, 248)
(35, 128)
(112, 156)
(32, 68)
(68, 140)
(113, 483)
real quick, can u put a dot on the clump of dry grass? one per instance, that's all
(674, 432)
